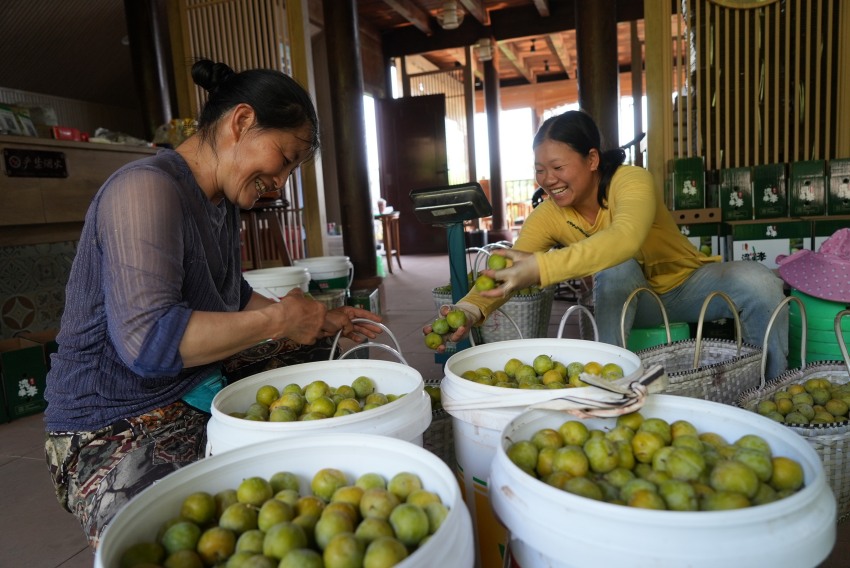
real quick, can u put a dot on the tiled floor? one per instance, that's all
(36, 533)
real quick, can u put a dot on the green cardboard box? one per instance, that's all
(24, 373)
(824, 227)
(736, 194)
(770, 191)
(838, 192)
(807, 188)
(367, 299)
(706, 237)
(688, 183)
(47, 339)
(764, 239)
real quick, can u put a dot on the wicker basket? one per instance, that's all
(831, 442)
(439, 437)
(530, 312)
(718, 370)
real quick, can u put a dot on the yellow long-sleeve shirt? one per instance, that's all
(635, 224)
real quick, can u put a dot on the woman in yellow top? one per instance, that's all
(612, 225)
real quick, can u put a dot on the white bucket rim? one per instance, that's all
(280, 276)
(455, 387)
(458, 521)
(408, 416)
(528, 494)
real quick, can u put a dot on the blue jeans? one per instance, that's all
(754, 288)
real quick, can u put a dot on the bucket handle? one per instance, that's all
(397, 349)
(378, 345)
(350, 274)
(578, 308)
(805, 321)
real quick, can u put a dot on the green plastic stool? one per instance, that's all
(641, 338)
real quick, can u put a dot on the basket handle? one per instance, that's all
(701, 320)
(382, 326)
(485, 251)
(577, 308)
(626, 307)
(840, 337)
(773, 316)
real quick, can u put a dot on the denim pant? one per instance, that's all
(754, 288)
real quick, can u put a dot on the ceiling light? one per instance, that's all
(484, 49)
(450, 17)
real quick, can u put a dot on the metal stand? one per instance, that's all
(449, 207)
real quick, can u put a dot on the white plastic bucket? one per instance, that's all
(553, 528)
(406, 418)
(477, 431)
(276, 282)
(353, 454)
(328, 272)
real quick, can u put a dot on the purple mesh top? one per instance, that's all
(153, 248)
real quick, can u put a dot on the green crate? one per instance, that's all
(706, 237)
(762, 241)
(24, 374)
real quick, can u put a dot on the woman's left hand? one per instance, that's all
(340, 319)
(523, 273)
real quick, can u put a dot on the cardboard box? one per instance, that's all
(47, 339)
(706, 237)
(764, 239)
(366, 299)
(807, 188)
(838, 187)
(688, 183)
(736, 194)
(770, 191)
(24, 374)
(825, 227)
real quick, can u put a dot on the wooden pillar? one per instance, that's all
(637, 89)
(598, 68)
(492, 107)
(150, 51)
(346, 85)
(659, 78)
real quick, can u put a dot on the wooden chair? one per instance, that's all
(392, 245)
(263, 245)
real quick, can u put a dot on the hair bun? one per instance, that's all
(210, 75)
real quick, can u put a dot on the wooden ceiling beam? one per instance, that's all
(411, 12)
(477, 10)
(516, 60)
(542, 7)
(556, 45)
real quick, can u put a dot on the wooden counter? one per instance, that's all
(50, 209)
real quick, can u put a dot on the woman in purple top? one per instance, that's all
(155, 300)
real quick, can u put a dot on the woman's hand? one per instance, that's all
(302, 318)
(340, 319)
(523, 273)
(472, 313)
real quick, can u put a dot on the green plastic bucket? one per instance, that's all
(328, 272)
(821, 342)
(641, 338)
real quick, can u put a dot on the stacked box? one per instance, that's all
(47, 339)
(838, 192)
(825, 227)
(736, 194)
(807, 188)
(367, 299)
(762, 241)
(688, 183)
(24, 373)
(705, 237)
(770, 191)
(712, 189)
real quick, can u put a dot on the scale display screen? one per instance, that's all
(451, 204)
